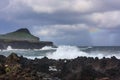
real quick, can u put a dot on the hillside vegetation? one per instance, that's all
(19, 35)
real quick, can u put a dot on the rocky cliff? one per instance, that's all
(22, 39)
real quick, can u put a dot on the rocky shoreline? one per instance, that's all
(14, 67)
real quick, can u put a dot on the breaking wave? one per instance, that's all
(71, 52)
(48, 48)
(62, 52)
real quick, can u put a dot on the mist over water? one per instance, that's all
(65, 52)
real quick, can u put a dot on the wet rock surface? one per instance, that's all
(14, 67)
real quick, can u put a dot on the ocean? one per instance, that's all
(66, 52)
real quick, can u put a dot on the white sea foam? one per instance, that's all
(9, 48)
(33, 57)
(62, 52)
(71, 52)
(48, 48)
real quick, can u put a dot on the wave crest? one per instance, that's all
(71, 52)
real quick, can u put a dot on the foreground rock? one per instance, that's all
(22, 39)
(81, 68)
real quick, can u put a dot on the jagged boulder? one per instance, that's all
(12, 58)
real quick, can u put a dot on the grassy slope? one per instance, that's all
(19, 36)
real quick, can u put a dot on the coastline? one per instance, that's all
(22, 39)
(80, 68)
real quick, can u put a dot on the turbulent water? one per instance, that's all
(65, 52)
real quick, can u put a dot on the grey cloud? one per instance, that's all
(21, 12)
(65, 34)
(15, 14)
(3, 4)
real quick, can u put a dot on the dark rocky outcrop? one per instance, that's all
(22, 39)
(14, 67)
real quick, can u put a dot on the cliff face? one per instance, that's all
(22, 39)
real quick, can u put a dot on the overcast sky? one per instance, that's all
(65, 22)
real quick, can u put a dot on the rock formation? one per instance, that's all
(22, 39)
(14, 67)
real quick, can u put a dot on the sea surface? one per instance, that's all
(65, 52)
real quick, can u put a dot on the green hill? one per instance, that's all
(19, 35)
